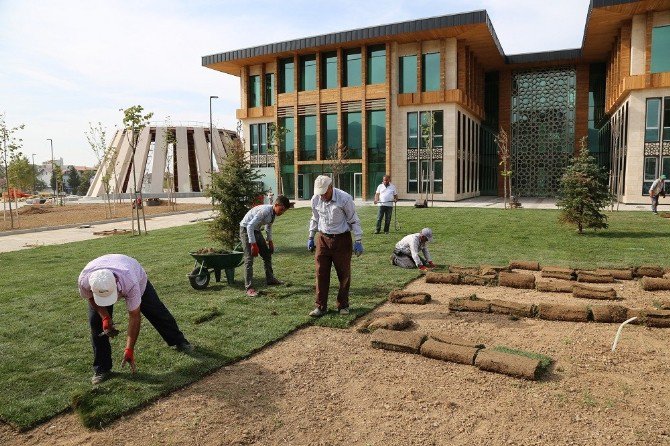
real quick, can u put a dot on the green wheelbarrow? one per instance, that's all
(206, 263)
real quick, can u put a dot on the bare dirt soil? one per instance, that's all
(75, 213)
(322, 386)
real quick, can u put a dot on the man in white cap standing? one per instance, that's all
(406, 252)
(102, 282)
(334, 217)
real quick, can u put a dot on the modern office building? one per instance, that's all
(424, 99)
(184, 160)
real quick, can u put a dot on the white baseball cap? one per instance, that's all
(428, 233)
(103, 286)
(321, 184)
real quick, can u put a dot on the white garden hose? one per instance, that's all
(618, 332)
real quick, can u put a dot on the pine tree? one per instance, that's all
(584, 193)
(234, 189)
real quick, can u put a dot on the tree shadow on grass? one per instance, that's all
(623, 234)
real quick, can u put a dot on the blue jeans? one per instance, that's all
(384, 211)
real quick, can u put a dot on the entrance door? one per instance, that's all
(358, 185)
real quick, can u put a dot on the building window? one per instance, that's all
(352, 69)
(329, 70)
(407, 74)
(660, 49)
(652, 120)
(258, 145)
(286, 68)
(376, 136)
(425, 167)
(353, 135)
(286, 145)
(269, 89)
(412, 130)
(412, 177)
(430, 72)
(328, 134)
(376, 64)
(254, 97)
(666, 119)
(307, 137)
(308, 73)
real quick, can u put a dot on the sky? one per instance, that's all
(67, 63)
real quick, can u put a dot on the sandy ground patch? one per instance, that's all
(323, 386)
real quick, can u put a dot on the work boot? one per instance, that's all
(275, 281)
(99, 377)
(344, 311)
(317, 312)
(252, 292)
(185, 347)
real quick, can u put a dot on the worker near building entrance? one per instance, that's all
(254, 244)
(385, 196)
(657, 190)
(334, 217)
(406, 252)
(102, 282)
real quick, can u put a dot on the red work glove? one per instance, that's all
(129, 358)
(423, 268)
(271, 246)
(431, 264)
(254, 249)
(107, 323)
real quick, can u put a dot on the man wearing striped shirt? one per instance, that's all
(254, 244)
(334, 217)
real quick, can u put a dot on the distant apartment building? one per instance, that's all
(423, 100)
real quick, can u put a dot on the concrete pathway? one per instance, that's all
(42, 236)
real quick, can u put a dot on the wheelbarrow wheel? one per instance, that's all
(199, 278)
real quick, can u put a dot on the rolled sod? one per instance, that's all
(554, 286)
(655, 318)
(456, 340)
(620, 274)
(584, 291)
(523, 264)
(464, 269)
(449, 352)
(649, 271)
(399, 341)
(654, 284)
(470, 304)
(508, 364)
(448, 278)
(594, 277)
(471, 279)
(556, 272)
(395, 321)
(513, 308)
(492, 269)
(664, 305)
(408, 297)
(610, 313)
(561, 312)
(516, 280)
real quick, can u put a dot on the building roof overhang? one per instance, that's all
(474, 28)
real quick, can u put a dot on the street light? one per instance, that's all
(211, 141)
(34, 175)
(53, 171)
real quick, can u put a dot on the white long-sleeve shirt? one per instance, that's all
(258, 216)
(657, 187)
(335, 216)
(410, 245)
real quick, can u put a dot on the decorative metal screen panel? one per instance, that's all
(543, 129)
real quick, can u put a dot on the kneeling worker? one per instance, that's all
(103, 281)
(406, 252)
(253, 242)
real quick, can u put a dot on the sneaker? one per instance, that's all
(99, 377)
(344, 311)
(275, 281)
(252, 292)
(376, 232)
(317, 312)
(185, 347)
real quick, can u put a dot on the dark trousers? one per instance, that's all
(654, 203)
(384, 211)
(263, 251)
(335, 250)
(156, 313)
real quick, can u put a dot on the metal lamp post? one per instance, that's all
(211, 140)
(53, 171)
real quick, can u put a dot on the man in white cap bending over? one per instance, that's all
(109, 278)
(334, 217)
(406, 252)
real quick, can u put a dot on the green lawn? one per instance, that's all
(44, 340)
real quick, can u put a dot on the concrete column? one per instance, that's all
(451, 65)
(122, 163)
(219, 147)
(183, 171)
(141, 155)
(450, 145)
(159, 161)
(97, 188)
(202, 155)
(638, 44)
